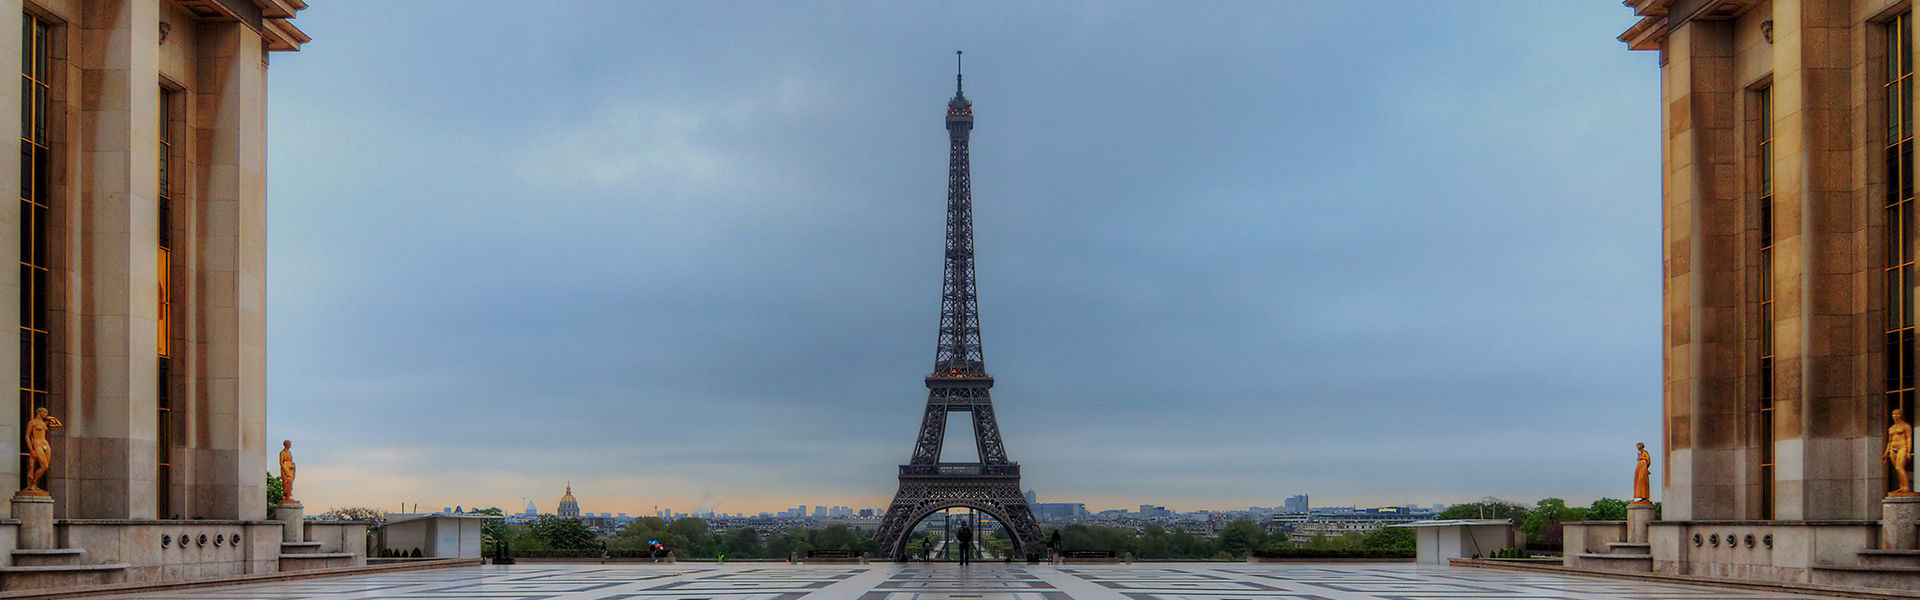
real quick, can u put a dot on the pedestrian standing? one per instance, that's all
(965, 536)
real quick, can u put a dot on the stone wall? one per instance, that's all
(176, 550)
(1590, 536)
(1780, 551)
(340, 536)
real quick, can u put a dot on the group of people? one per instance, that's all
(964, 535)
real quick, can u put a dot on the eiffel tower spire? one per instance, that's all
(957, 352)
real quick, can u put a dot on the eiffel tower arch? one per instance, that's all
(960, 385)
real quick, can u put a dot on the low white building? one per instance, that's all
(1439, 540)
(435, 535)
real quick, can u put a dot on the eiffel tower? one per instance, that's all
(959, 384)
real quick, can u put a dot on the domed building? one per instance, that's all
(569, 508)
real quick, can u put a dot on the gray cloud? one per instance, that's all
(689, 253)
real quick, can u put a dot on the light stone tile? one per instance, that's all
(1143, 581)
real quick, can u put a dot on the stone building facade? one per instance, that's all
(1787, 252)
(1788, 231)
(140, 298)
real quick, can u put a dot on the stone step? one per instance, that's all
(316, 560)
(1874, 557)
(1618, 562)
(49, 558)
(1877, 576)
(1616, 547)
(299, 548)
(60, 576)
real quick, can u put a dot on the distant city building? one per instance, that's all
(1331, 524)
(1060, 512)
(1032, 497)
(531, 511)
(1298, 504)
(569, 508)
(1149, 511)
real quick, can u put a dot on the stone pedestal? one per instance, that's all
(1639, 517)
(1899, 517)
(293, 521)
(36, 521)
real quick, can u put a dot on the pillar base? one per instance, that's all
(1639, 518)
(293, 521)
(35, 513)
(1899, 516)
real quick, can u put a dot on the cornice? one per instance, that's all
(1660, 17)
(270, 18)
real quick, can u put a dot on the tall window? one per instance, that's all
(1899, 213)
(163, 421)
(1764, 99)
(33, 219)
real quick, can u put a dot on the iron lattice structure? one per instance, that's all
(959, 384)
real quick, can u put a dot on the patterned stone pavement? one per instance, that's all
(772, 581)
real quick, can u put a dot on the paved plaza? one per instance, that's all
(764, 581)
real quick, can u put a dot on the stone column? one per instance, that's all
(229, 194)
(110, 403)
(36, 521)
(1639, 518)
(1702, 287)
(11, 46)
(1899, 518)
(293, 520)
(1820, 242)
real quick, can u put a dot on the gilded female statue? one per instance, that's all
(1900, 452)
(286, 472)
(1642, 476)
(39, 452)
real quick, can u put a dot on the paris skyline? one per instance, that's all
(687, 269)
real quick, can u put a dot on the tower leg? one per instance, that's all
(999, 497)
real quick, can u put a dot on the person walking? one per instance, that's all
(1053, 544)
(965, 536)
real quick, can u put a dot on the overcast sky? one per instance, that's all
(687, 255)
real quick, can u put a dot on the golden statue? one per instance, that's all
(39, 452)
(286, 473)
(1642, 476)
(1900, 452)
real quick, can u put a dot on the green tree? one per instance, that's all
(275, 492)
(521, 538)
(1240, 537)
(634, 537)
(778, 546)
(743, 543)
(1187, 545)
(1489, 508)
(1155, 543)
(564, 534)
(697, 539)
(835, 537)
(1607, 509)
(1542, 524)
(996, 547)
